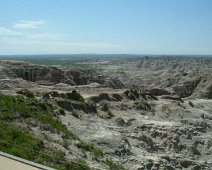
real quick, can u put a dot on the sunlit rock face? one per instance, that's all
(49, 75)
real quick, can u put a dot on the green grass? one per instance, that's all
(21, 143)
(50, 61)
(78, 164)
(10, 134)
(97, 152)
(17, 142)
(12, 108)
(113, 166)
(62, 111)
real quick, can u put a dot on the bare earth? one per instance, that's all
(152, 113)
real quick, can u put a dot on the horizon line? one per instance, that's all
(135, 54)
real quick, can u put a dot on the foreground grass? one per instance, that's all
(113, 166)
(12, 108)
(90, 147)
(20, 142)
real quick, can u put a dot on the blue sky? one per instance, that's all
(106, 26)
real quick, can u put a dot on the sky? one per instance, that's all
(106, 26)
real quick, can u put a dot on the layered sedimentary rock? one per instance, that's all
(186, 88)
(49, 75)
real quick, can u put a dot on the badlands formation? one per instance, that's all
(137, 113)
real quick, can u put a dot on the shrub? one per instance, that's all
(118, 97)
(104, 107)
(66, 143)
(26, 93)
(110, 114)
(142, 104)
(76, 114)
(191, 103)
(62, 111)
(74, 95)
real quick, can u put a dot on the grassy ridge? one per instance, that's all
(21, 143)
(12, 108)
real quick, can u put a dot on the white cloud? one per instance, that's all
(6, 33)
(37, 41)
(67, 45)
(9, 32)
(27, 46)
(24, 24)
(45, 35)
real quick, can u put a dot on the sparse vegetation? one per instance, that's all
(74, 95)
(110, 114)
(76, 114)
(17, 107)
(191, 103)
(66, 143)
(79, 164)
(104, 107)
(142, 104)
(72, 105)
(20, 143)
(113, 166)
(97, 152)
(62, 111)
(107, 112)
(142, 124)
(26, 93)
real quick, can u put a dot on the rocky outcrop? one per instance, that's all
(139, 128)
(114, 83)
(77, 77)
(50, 75)
(6, 73)
(117, 97)
(177, 98)
(71, 106)
(204, 89)
(74, 95)
(186, 88)
(207, 93)
(132, 94)
(46, 75)
(35, 73)
(158, 92)
(100, 97)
